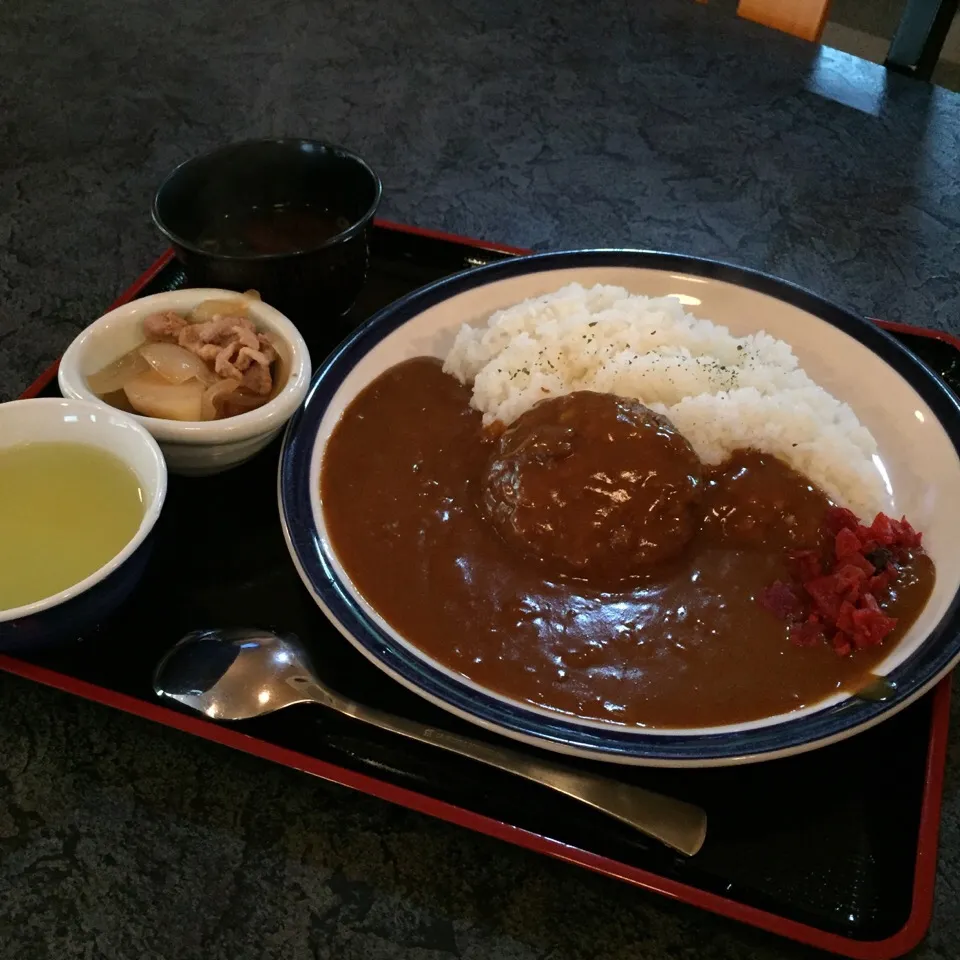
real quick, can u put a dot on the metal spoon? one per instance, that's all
(239, 674)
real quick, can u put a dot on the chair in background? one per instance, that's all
(916, 45)
(802, 18)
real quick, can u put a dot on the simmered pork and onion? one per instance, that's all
(206, 365)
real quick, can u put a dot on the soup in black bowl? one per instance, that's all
(288, 217)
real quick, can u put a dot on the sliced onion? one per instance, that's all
(208, 309)
(213, 398)
(153, 396)
(115, 375)
(175, 364)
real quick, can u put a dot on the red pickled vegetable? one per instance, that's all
(847, 543)
(807, 634)
(782, 600)
(841, 644)
(839, 518)
(835, 593)
(871, 627)
(826, 597)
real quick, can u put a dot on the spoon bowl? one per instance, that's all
(236, 674)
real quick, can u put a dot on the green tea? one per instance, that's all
(66, 509)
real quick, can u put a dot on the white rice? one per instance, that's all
(722, 392)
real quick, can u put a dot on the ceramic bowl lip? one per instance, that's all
(245, 426)
(356, 227)
(915, 676)
(158, 471)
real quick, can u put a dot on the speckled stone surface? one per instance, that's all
(551, 125)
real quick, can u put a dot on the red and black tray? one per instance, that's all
(836, 848)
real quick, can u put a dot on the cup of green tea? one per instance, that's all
(289, 218)
(82, 487)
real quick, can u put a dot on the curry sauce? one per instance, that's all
(680, 643)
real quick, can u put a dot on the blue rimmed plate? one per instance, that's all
(913, 415)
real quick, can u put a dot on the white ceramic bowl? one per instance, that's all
(913, 415)
(191, 449)
(65, 614)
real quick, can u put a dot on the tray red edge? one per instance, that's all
(925, 868)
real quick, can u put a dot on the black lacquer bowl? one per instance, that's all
(289, 218)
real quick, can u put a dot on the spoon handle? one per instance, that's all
(680, 825)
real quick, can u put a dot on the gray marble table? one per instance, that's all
(656, 123)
